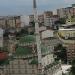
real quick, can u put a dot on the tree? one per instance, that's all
(73, 67)
(5, 34)
(22, 32)
(60, 51)
(61, 21)
(32, 24)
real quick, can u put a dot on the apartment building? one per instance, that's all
(10, 22)
(31, 18)
(70, 52)
(1, 37)
(48, 20)
(41, 19)
(61, 12)
(45, 19)
(2, 22)
(64, 12)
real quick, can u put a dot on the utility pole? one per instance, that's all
(38, 41)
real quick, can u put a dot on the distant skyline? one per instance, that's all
(24, 7)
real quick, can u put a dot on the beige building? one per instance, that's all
(10, 21)
(63, 12)
(41, 18)
(48, 13)
(1, 37)
(2, 22)
(31, 18)
(70, 52)
(48, 18)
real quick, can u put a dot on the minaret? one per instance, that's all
(38, 41)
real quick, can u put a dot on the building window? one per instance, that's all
(33, 66)
(25, 71)
(39, 70)
(33, 71)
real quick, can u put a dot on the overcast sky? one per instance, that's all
(21, 7)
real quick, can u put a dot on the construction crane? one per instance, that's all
(38, 41)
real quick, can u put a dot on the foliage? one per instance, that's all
(3, 49)
(61, 21)
(60, 51)
(34, 61)
(22, 32)
(32, 24)
(5, 34)
(73, 67)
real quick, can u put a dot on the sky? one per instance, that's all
(24, 7)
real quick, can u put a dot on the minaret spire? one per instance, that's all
(34, 3)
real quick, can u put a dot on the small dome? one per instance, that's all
(20, 51)
(24, 51)
(27, 39)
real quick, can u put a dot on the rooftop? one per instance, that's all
(72, 29)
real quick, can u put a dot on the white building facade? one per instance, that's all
(1, 37)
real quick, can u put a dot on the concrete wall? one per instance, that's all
(47, 33)
(47, 60)
(59, 72)
(24, 20)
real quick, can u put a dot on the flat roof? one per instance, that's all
(72, 29)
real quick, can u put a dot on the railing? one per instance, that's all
(65, 41)
(27, 44)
